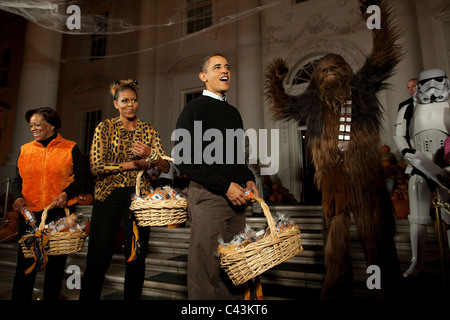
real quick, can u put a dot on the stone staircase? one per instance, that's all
(168, 249)
(298, 278)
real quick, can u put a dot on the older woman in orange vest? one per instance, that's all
(49, 169)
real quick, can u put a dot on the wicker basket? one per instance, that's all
(258, 257)
(150, 213)
(59, 243)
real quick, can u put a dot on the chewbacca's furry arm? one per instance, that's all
(386, 52)
(282, 105)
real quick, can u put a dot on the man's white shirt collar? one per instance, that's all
(213, 95)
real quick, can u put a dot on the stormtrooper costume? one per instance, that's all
(420, 131)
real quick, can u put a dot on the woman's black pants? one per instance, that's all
(105, 222)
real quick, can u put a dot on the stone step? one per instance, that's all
(300, 275)
(166, 285)
(291, 210)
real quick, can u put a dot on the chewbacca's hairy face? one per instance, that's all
(332, 77)
(332, 71)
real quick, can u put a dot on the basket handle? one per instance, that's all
(267, 214)
(138, 182)
(167, 158)
(138, 177)
(44, 214)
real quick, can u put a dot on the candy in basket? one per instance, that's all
(63, 236)
(162, 207)
(253, 252)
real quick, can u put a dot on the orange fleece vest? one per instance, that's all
(45, 172)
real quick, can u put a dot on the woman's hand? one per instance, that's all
(143, 164)
(61, 200)
(19, 204)
(142, 150)
(163, 165)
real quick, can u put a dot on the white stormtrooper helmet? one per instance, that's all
(432, 86)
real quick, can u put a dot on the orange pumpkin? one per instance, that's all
(385, 149)
(85, 199)
(386, 163)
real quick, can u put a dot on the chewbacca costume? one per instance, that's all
(343, 117)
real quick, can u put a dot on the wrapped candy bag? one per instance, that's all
(164, 193)
(158, 194)
(250, 235)
(282, 221)
(71, 223)
(135, 197)
(239, 241)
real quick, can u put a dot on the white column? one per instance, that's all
(38, 85)
(249, 70)
(146, 64)
(409, 67)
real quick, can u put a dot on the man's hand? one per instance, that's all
(251, 186)
(236, 194)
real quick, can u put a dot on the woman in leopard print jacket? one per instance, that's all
(121, 147)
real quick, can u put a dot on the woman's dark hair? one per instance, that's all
(120, 85)
(49, 115)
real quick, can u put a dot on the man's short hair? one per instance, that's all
(205, 61)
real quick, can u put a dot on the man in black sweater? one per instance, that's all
(213, 160)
